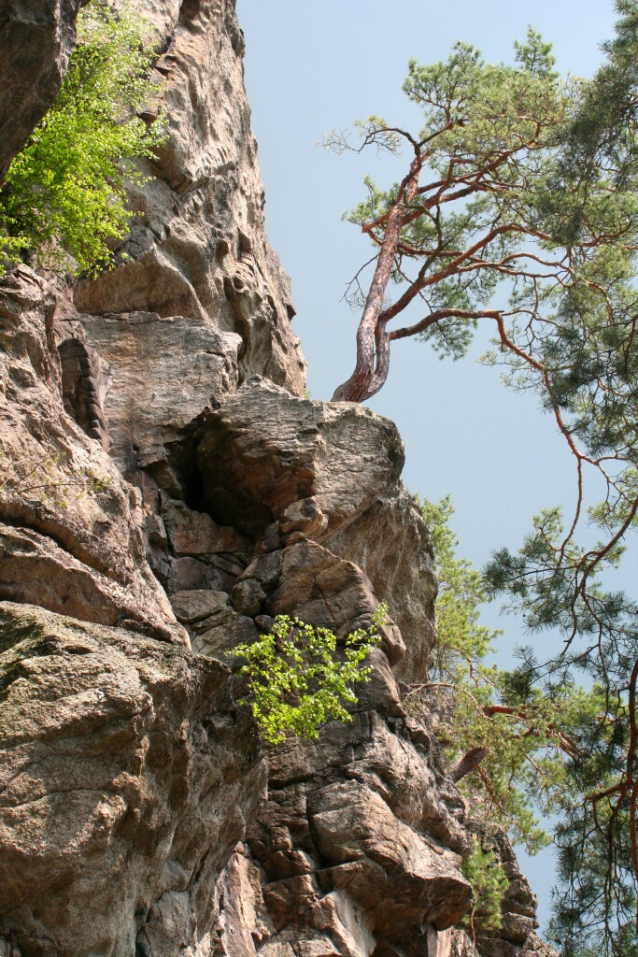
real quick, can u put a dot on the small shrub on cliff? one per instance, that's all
(64, 197)
(297, 680)
(52, 481)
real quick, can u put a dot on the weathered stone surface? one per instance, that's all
(195, 533)
(82, 384)
(122, 797)
(266, 569)
(358, 842)
(264, 449)
(249, 597)
(320, 588)
(130, 772)
(390, 543)
(73, 539)
(516, 938)
(194, 606)
(519, 898)
(243, 922)
(304, 516)
(535, 947)
(517, 928)
(161, 373)
(199, 249)
(214, 626)
(189, 573)
(400, 879)
(36, 40)
(458, 944)
(220, 637)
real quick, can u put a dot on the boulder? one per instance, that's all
(265, 449)
(213, 624)
(401, 880)
(126, 779)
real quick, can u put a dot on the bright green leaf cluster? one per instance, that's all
(298, 677)
(64, 198)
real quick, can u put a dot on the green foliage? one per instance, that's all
(519, 207)
(487, 144)
(528, 732)
(463, 642)
(551, 746)
(489, 884)
(64, 198)
(595, 904)
(298, 678)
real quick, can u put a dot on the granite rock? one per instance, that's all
(264, 450)
(121, 798)
(72, 527)
(390, 543)
(36, 40)
(198, 249)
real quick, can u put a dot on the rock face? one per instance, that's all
(157, 376)
(70, 526)
(393, 526)
(166, 492)
(343, 455)
(198, 249)
(123, 796)
(36, 40)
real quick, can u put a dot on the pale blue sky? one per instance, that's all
(313, 66)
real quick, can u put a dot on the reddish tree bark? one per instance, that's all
(373, 347)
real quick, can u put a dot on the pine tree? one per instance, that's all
(522, 188)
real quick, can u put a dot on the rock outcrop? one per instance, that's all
(166, 492)
(70, 526)
(127, 777)
(36, 40)
(198, 249)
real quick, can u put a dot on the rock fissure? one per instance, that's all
(24, 518)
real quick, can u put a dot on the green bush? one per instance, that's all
(64, 198)
(297, 680)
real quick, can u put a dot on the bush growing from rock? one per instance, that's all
(64, 198)
(296, 679)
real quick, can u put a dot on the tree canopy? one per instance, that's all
(519, 208)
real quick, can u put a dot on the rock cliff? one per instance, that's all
(166, 492)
